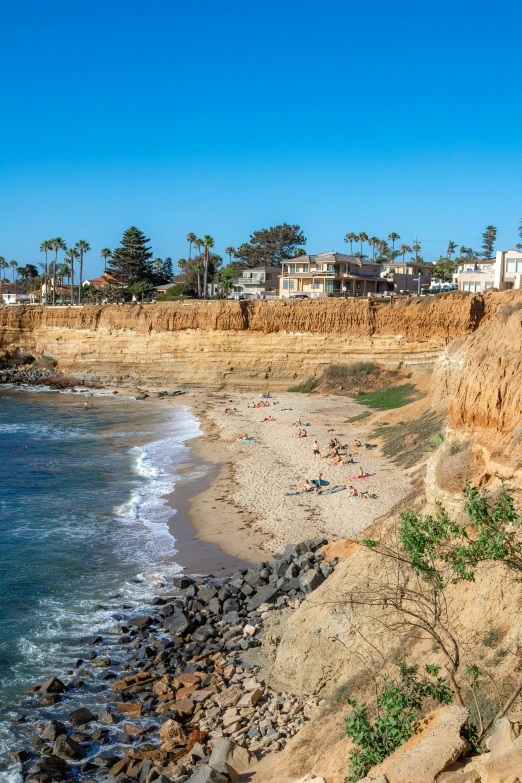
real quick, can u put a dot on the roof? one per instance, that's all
(99, 282)
(10, 288)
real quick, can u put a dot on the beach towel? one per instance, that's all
(366, 475)
(291, 494)
(246, 440)
(331, 491)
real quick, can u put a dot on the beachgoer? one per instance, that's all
(357, 443)
(297, 423)
(318, 481)
(241, 437)
(305, 486)
(352, 492)
(316, 449)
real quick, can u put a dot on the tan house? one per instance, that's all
(476, 275)
(332, 273)
(508, 270)
(405, 275)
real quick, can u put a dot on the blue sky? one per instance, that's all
(225, 117)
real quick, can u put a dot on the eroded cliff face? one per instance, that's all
(239, 344)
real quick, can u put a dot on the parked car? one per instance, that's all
(298, 296)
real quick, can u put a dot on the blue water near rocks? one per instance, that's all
(83, 520)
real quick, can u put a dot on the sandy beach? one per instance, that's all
(246, 510)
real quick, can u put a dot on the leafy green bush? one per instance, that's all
(387, 399)
(305, 387)
(399, 704)
(341, 373)
(174, 292)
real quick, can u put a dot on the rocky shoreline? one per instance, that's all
(176, 694)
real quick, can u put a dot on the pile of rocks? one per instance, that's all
(189, 703)
(27, 375)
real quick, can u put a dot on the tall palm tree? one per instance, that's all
(191, 239)
(13, 266)
(452, 246)
(209, 244)
(3, 264)
(373, 242)
(57, 244)
(230, 252)
(416, 247)
(182, 263)
(362, 238)
(198, 270)
(351, 237)
(393, 237)
(72, 253)
(83, 247)
(405, 249)
(199, 244)
(45, 247)
(105, 254)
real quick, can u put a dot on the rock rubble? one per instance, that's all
(176, 694)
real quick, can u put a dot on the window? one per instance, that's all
(316, 285)
(292, 285)
(306, 267)
(358, 286)
(511, 265)
(465, 286)
(489, 283)
(285, 285)
(269, 275)
(519, 264)
(477, 286)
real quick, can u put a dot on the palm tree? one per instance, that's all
(3, 264)
(416, 247)
(182, 263)
(72, 253)
(373, 242)
(105, 254)
(452, 246)
(362, 238)
(208, 243)
(44, 248)
(230, 251)
(13, 266)
(405, 249)
(192, 240)
(198, 270)
(351, 238)
(83, 247)
(393, 237)
(199, 244)
(57, 244)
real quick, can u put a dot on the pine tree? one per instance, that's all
(488, 241)
(131, 263)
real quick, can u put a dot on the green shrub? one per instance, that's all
(393, 397)
(305, 387)
(348, 373)
(174, 292)
(399, 704)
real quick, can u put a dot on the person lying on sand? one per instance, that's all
(367, 494)
(338, 460)
(267, 418)
(306, 486)
(240, 437)
(352, 492)
(362, 473)
(357, 443)
(297, 423)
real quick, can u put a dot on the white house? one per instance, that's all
(476, 275)
(508, 270)
(260, 281)
(13, 294)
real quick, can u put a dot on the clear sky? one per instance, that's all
(225, 117)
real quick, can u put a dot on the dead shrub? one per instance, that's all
(454, 468)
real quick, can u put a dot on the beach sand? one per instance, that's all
(244, 509)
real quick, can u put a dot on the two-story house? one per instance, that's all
(331, 273)
(258, 282)
(476, 275)
(508, 270)
(405, 275)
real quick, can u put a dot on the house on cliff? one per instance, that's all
(335, 274)
(258, 282)
(476, 275)
(508, 270)
(13, 294)
(407, 276)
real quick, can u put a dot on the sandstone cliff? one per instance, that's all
(240, 344)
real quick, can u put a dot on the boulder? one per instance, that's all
(53, 730)
(171, 734)
(229, 697)
(80, 717)
(310, 581)
(140, 622)
(230, 759)
(502, 736)
(66, 748)
(265, 595)
(436, 744)
(52, 685)
(177, 624)
(206, 774)
(48, 768)
(107, 717)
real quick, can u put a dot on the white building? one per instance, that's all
(476, 275)
(258, 282)
(10, 294)
(508, 270)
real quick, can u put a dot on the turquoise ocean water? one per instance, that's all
(83, 520)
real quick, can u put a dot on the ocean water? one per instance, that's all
(83, 522)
